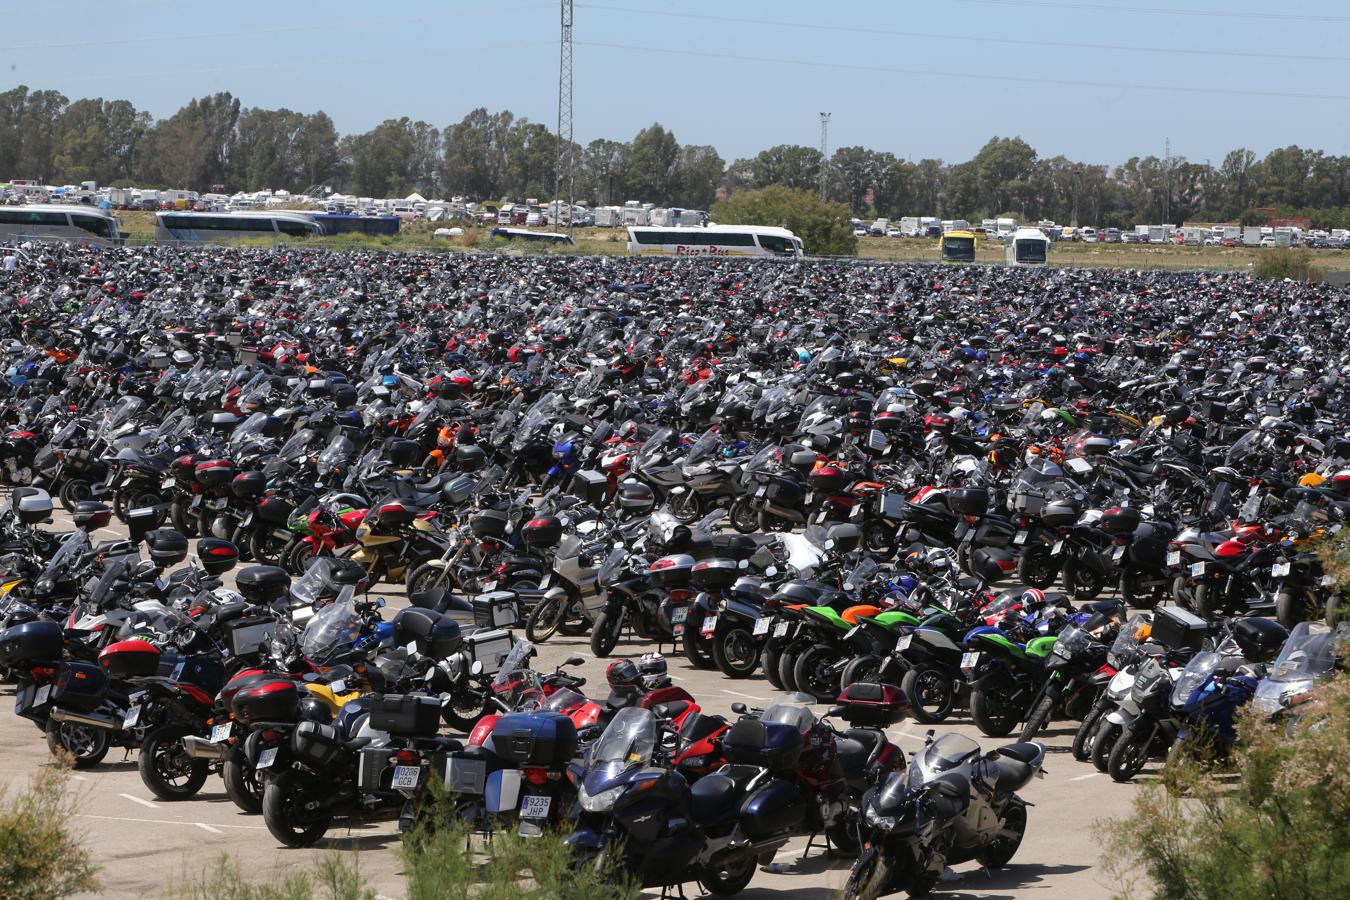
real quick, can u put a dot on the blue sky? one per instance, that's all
(1077, 77)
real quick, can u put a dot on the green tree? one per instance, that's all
(652, 159)
(316, 151)
(823, 227)
(698, 171)
(475, 154)
(603, 168)
(853, 171)
(787, 165)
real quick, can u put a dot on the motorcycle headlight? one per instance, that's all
(601, 802)
(878, 821)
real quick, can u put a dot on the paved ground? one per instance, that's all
(145, 845)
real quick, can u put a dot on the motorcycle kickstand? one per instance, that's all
(811, 842)
(678, 895)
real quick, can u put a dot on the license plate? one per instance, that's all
(969, 660)
(781, 629)
(131, 718)
(168, 483)
(1174, 558)
(533, 806)
(218, 503)
(679, 614)
(762, 491)
(1059, 545)
(406, 777)
(903, 643)
(221, 732)
(42, 694)
(961, 529)
(266, 758)
(1279, 570)
(1118, 553)
(762, 626)
(709, 625)
(1197, 569)
(1080, 466)
(1020, 538)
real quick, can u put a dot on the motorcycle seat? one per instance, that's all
(714, 799)
(671, 710)
(1024, 751)
(866, 737)
(1012, 774)
(228, 612)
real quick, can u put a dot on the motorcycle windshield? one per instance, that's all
(1071, 641)
(332, 630)
(1131, 637)
(248, 430)
(122, 413)
(702, 448)
(1200, 667)
(563, 699)
(795, 714)
(653, 447)
(61, 437)
(946, 753)
(538, 414)
(862, 575)
(337, 451)
(771, 402)
(629, 740)
(611, 565)
(761, 459)
(1309, 652)
(76, 542)
(297, 444)
(518, 658)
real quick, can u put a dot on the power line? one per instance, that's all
(963, 38)
(1163, 11)
(1024, 79)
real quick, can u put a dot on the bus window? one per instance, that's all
(296, 229)
(779, 245)
(93, 224)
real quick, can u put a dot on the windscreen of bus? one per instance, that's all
(1031, 251)
(958, 249)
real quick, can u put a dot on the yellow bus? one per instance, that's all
(958, 246)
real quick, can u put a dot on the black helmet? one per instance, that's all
(622, 673)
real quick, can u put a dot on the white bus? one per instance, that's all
(198, 228)
(715, 240)
(53, 222)
(1027, 247)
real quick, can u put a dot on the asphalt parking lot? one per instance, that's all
(145, 845)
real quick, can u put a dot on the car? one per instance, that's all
(860, 231)
(533, 220)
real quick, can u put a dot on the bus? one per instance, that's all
(1027, 247)
(958, 246)
(535, 237)
(53, 222)
(199, 228)
(715, 240)
(335, 223)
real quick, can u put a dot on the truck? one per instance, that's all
(909, 225)
(879, 227)
(121, 198)
(1194, 237)
(634, 213)
(1160, 234)
(1251, 236)
(1005, 227)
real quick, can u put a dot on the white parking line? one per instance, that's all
(161, 821)
(746, 696)
(204, 827)
(1086, 777)
(146, 803)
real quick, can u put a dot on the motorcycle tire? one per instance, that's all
(1290, 609)
(771, 524)
(181, 519)
(1087, 730)
(845, 842)
(1108, 733)
(165, 767)
(696, 649)
(266, 548)
(880, 538)
(545, 619)
(993, 713)
(743, 516)
(685, 508)
(931, 694)
(1036, 567)
(1207, 602)
(1000, 851)
(87, 746)
(862, 668)
(605, 634)
(735, 652)
(787, 665)
(768, 660)
(1037, 719)
(812, 674)
(1082, 583)
(1129, 755)
(293, 809)
(139, 498)
(1135, 594)
(871, 877)
(242, 784)
(462, 715)
(74, 491)
(299, 557)
(726, 880)
(426, 577)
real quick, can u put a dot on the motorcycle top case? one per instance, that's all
(1120, 520)
(969, 501)
(276, 510)
(263, 584)
(590, 486)
(91, 514)
(489, 648)
(205, 672)
(734, 546)
(31, 642)
(316, 744)
(775, 746)
(671, 571)
(130, 659)
(546, 739)
(496, 609)
(275, 700)
(435, 636)
(874, 705)
(32, 505)
(79, 686)
(490, 523)
(715, 574)
(406, 715)
(215, 472)
(1176, 628)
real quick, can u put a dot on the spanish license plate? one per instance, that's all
(221, 733)
(533, 806)
(679, 614)
(1197, 569)
(1021, 537)
(709, 624)
(903, 643)
(42, 694)
(1059, 545)
(762, 626)
(1118, 553)
(1279, 570)
(168, 483)
(131, 718)
(406, 778)
(781, 629)
(969, 660)
(266, 758)
(1174, 558)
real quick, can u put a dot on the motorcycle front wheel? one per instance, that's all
(294, 810)
(870, 877)
(1130, 754)
(814, 673)
(743, 516)
(605, 633)
(931, 693)
(993, 711)
(736, 652)
(545, 619)
(1036, 567)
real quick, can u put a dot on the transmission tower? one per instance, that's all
(562, 185)
(824, 150)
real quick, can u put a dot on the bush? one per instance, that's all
(40, 857)
(1275, 828)
(1278, 263)
(824, 228)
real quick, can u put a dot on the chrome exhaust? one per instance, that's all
(201, 748)
(92, 720)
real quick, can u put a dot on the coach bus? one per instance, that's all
(715, 240)
(53, 222)
(198, 228)
(958, 246)
(1027, 247)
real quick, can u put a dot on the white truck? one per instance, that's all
(635, 214)
(1251, 236)
(1160, 234)
(910, 226)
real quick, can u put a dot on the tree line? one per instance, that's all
(215, 140)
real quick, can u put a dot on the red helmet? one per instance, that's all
(622, 673)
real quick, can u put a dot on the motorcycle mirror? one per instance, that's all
(829, 545)
(476, 668)
(744, 564)
(739, 709)
(836, 711)
(573, 661)
(770, 571)
(379, 602)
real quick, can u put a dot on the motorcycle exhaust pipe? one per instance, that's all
(92, 720)
(201, 748)
(752, 851)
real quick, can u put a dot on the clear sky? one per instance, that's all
(1096, 80)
